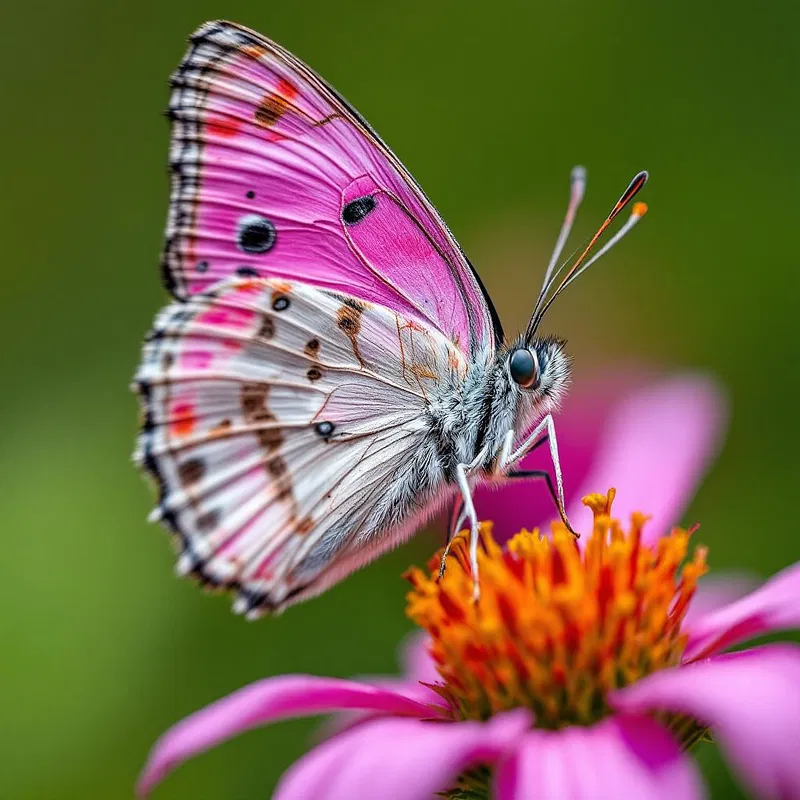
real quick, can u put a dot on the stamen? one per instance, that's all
(557, 627)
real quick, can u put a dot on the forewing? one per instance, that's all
(274, 416)
(275, 175)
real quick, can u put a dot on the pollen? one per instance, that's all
(557, 627)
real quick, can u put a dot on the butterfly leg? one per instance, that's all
(469, 508)
(458, 513)
(543, 474)
(548, 427)
(505, 452)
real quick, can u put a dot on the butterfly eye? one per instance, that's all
(524, 368)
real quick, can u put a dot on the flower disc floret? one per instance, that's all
(557, 627)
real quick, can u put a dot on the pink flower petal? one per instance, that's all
(773, 607)
(654, 451)
(402, 759)
(752, 701)
(625, 757)
(342, 720)
(410, 689)
(715, 592)
(418, 670)
(416, 660)
(265, 701)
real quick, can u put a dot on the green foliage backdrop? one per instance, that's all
(489, 105)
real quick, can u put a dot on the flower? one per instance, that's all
(593, 641)
(558, 627)
(580, 674)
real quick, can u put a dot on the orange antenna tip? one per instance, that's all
(581, 264)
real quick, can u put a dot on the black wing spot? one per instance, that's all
(202, 266)
(357, 209)
(325, 429)
(208, 521)
(255, 234)
(191, 471)
(280, 302)
(247, 272)
(251, 194)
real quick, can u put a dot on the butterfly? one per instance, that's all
(332, 371)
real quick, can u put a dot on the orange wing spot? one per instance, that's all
(182, 418)
(287, 89)
(223, 427)
(223, 126)
(281, 288)
(348, 318)
(250, 285)
(304, 526)
(271, 108)
(254, 50)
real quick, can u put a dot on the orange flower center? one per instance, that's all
(557, 627)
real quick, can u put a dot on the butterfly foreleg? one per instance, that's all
(460, 511)
(505, 452)
(547, 427)
(462, 476)
(543, 474)
(469, 510)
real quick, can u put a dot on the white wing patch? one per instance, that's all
(274, 415)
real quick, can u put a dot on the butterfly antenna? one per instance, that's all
(581, 263)
(577, 188)
(637, 212)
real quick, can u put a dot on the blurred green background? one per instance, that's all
(489, 106)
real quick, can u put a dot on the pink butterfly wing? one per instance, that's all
(274, 175)
(273, 431)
